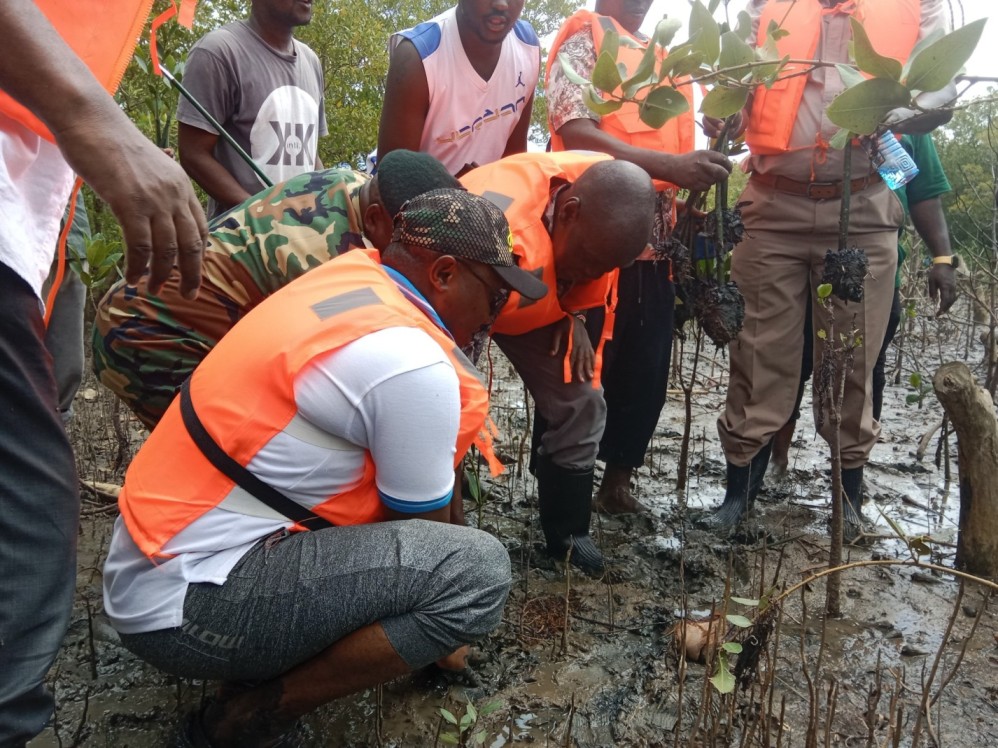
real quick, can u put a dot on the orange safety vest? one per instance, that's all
(676, 136)
(103, 33)
(892, 25)
(521, 186)
(244, 395)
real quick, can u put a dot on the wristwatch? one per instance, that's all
(953, 260)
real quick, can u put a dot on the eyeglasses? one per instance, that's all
(497, 296)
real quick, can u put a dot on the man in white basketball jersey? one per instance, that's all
(461, 86)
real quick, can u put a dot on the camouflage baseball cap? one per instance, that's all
(458, 223)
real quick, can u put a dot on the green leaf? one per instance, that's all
(606, 76)
(447, 715)
(466, 721)
(912, 398)
(722, 102)
(732, 647)
(665, 31)
(642, 73)
(743, 26)
(472, 712)
(739, 621)
(926, 42)
(849, 75)
(745, 601)
(492, 706)
(598, 104)
(705, 35)
(840, 139)
(915, 380)
(936, 65)
(919, 547)
(868, 59)
(610, 45)
(661, 105)
(448, 739)
(566, 66)
(723, 680)
(480, 737)
(687, 65)
(863, 107)
(822, 334)
(734, 51)
(824, 290)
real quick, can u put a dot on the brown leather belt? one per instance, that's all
(813, 190)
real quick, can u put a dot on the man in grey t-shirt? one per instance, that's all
(266, 89)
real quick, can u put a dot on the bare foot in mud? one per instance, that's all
(614, 495)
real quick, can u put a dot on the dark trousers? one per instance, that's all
(636, 361)
(39, 515)
(879, 369)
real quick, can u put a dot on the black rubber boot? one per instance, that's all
(565, 498)
(854, 523)
(758, 471)
(744, 484)
(736, 500)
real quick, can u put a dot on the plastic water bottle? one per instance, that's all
(895, 164)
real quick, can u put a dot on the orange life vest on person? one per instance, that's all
(892, 25)
(244, 395)
(103, 33)
(676, 136)
(521, 186)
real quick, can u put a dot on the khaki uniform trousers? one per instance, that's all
(778, 268)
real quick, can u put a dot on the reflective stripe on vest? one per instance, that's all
(892, 25)
(244, 393)
(521, 186)
(676, 136)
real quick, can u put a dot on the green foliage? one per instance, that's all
(661, 105)
(705, 34)
(920, 389)
(968, 149)
(723, 680)
(102, 267)
(867, 58)
(862, 108)
(935, 65)
(723, 102)
(464, 733)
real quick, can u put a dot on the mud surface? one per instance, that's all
(590, 662)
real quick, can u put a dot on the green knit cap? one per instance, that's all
(404, 174)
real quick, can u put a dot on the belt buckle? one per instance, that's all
(822, 190)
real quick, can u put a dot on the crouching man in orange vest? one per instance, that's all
(340, 403)
(576, 218)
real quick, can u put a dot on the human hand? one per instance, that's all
(698, 170)
(149, 193)
(457, 660)
(582, 361)
(942, 286)
(713, 126)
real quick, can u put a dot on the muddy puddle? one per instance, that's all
(583, 662)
